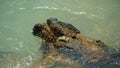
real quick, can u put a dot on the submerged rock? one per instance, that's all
(63, 46)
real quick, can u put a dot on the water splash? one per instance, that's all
(14, 60)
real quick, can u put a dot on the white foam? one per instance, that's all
(116, 37)
(80, 12)
(64, 9)
(18, 65)
(22, 8)
(93, 15)
(21, 44)
(14, 39)
(27, 64)
(9, 38)
(17, 49)
(30, 58)
(74, 12)
(45, 7)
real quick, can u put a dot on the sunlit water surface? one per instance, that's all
(98, 19)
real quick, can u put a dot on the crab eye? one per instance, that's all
(56, 19)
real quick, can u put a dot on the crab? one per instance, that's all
(54, 30)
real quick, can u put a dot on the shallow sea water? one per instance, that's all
(98, 19)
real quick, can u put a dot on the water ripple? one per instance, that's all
(74, 12)
(45, 7)
(63, 9)
(14, 39)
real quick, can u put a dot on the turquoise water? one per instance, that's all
(98, 19)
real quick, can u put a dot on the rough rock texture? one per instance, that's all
(64, 46)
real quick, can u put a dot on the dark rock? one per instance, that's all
(64, 47)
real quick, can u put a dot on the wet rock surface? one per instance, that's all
(63, 46)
